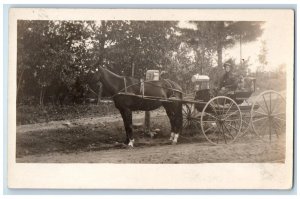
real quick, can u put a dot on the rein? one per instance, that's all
(89, 88)
(141, 87)
(141, 83)
(125, 87)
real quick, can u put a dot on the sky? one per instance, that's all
(278, 34)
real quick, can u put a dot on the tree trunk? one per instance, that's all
(19, 82)
(219, 52)
(220, 30)
(99, 94)
(241, 58)
(202, 62)
(102, 40)
(132, 69)
(42, 94)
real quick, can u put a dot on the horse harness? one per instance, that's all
(125, 85)
(172, 88)
(141, 84)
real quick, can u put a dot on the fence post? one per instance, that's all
(147, 122)
(147, 113)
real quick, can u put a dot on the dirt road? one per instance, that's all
(244, 152)
(98, 140)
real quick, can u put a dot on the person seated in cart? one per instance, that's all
(228, 82)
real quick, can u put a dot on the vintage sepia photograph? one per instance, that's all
(185, 88)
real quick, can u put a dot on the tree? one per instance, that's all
(32, 47)
(219, 35)
(61, 53)
(201, 41)
(53, 54)
(238, 31)
(182, 66)
(243, 67)
(262, 56)
(142, 45)
(53, 51)
(213, 37)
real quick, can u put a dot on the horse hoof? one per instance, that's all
(152, 134)
(175, 139)
(130, 144)
(172, 137)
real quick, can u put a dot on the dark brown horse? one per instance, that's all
(125, 90)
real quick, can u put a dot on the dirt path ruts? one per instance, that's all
(239, 152)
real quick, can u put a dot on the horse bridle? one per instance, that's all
(89, 89)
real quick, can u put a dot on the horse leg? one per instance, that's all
(174, 112)
(127, 119)
(170, 114)
(177, 121)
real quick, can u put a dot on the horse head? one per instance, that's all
(99, 74)
(111, 82)
(95, 76)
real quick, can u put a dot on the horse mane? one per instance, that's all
(112, 73)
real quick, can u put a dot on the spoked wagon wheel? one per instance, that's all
(221, 120)
(190, 116)
(186, 115)
(268, 114)
(246, 127)
(246, 120)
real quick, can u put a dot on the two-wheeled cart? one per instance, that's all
(222, 119)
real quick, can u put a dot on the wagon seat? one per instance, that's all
(245, 88)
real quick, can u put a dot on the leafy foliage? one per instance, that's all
(55, 57)
(262, 57)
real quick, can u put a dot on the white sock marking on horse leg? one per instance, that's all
(175, 138)
(172, 136)
(131, 142)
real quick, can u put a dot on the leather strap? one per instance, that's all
(125, 86)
